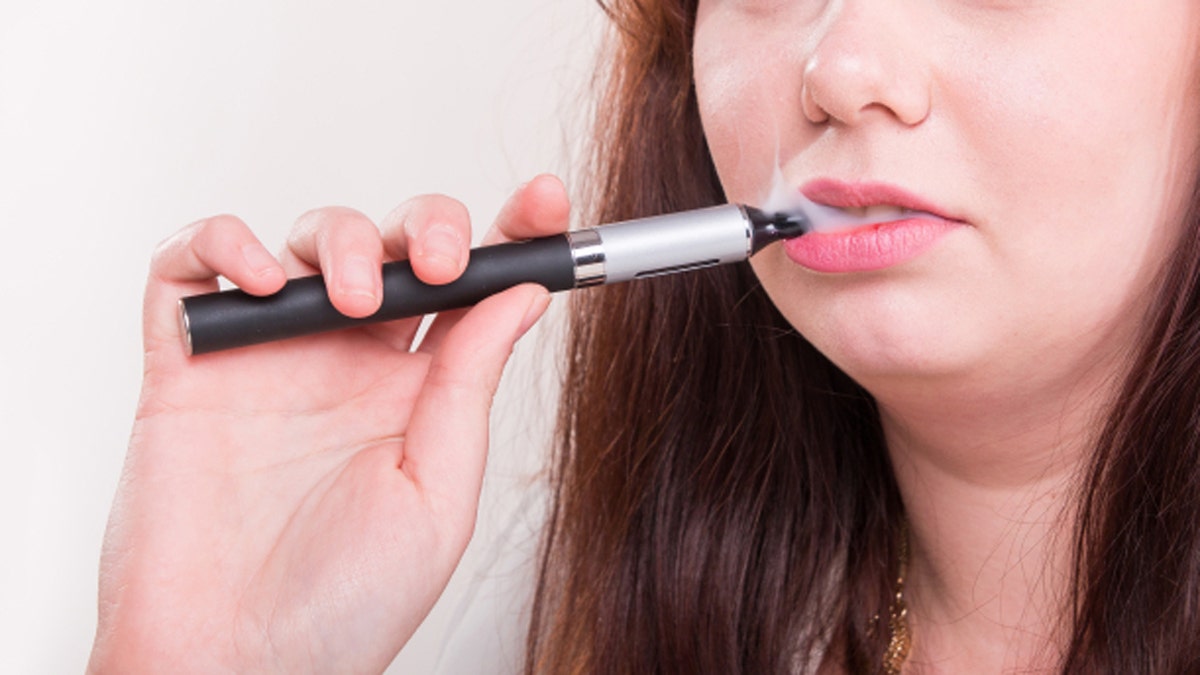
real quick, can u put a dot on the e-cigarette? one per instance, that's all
(606, 254)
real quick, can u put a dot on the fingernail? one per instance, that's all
(258, 259)
(358, 277)
(443, 243)
(536, 308)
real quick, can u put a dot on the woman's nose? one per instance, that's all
(866, 58)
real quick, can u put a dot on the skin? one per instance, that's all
(1062, 133)
(299, 506)
(280, 518)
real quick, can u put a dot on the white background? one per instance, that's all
(122, 121)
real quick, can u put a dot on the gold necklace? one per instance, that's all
(900, 639)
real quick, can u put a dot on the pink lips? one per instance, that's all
(872, 247)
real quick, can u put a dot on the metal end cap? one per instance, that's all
(185, 329)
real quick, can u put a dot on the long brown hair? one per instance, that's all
(723, 499)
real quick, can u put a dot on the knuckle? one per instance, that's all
(448, 377)
(393, 223)
(463, 385)
(220, 231)
(210, 233)
(451, 209)
(437, 209)
(414, 215)
(167, 248)
(335, 223)
(322, 228)
(223, 222)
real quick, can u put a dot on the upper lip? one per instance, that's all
(852, 195)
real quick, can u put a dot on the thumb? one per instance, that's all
(446, 441)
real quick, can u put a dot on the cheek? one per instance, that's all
(1079, 155)
(1078, 139)
(739, 88)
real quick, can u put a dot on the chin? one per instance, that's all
(876, 353)
(876, 328)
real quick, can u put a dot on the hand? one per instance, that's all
(299, 506)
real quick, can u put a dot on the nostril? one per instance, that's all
(813, 112)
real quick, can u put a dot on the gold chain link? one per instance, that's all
(900, 640)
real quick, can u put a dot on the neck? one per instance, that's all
(988, 485)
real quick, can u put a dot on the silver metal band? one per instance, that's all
(675, 242)
(666, 244)
(587, 250)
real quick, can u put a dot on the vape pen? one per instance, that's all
(607, 254)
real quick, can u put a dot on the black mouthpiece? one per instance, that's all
(772, 226)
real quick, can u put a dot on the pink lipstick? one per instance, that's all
(903, 227)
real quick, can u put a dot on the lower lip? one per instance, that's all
(867, 249)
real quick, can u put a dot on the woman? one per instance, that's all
(965, 441)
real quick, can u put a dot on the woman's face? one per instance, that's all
(1053, 139)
